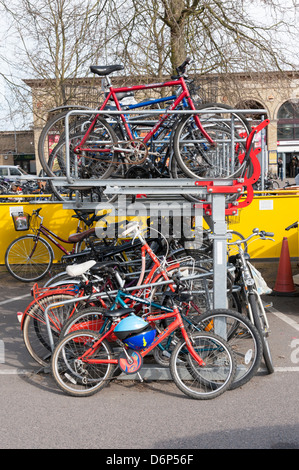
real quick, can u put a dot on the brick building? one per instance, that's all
(17, 148)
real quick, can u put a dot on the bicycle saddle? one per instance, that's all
(103, 265)
(118, 313)
(121, 95)
(76, 237)
(75, 270)
(106, 69)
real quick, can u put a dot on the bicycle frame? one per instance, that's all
(184, 95)
(177, 323)
(134, 297)
(137, 290)
(53, 237)
(249, 288)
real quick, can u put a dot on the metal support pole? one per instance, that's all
(263, 158)
(220, 263)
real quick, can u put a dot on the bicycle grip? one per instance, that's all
(181, 68)
(294, 225)
(268, 234)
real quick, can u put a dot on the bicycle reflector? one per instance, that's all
(134, 332)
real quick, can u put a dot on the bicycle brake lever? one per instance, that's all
(264, 237)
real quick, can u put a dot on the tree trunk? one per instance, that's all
(175, 19)
(177, 45)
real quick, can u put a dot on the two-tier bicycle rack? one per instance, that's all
(215, 206)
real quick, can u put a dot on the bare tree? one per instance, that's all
(221, 35)
(55, 41)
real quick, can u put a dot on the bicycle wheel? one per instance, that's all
(199, 289)
(275, 185)
(35, 331)
(207, 381)
(54, 131)
(97, 160)
(77, 377)
(28, 258)
(89, 319)
(242, 337)
(58, 279)
(260, 322)
(197, 158)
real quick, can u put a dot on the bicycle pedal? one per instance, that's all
(267, 305)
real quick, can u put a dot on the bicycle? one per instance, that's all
(30, 257)
(235, 328)
(250, 298)
(202, 365)
(33, 322)
(107, 155)
(35, 312)
(194, 301)
(270, 184)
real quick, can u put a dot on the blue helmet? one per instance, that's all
(135, 332)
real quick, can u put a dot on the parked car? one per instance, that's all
(10, 171)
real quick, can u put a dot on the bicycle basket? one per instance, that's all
(21, 221)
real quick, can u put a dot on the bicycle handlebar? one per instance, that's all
(294, 225)
(256, 232)
(37, 211)
(182, 68)
(267, 234)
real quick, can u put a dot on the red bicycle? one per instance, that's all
(182, 145)
(202, 364)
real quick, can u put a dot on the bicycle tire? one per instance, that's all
(275, 185)
(242, 122)
(243, 338)
(208, 381)
(76, 378)
(35, 333)
(89, 319)
(197, 158)
(91, 164)
(17, 259)
(55, 129)
(59, 278)
(242, 126)
(255, 306)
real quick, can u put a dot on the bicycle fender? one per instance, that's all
(53, 291)
(22, 315)
(67, 108)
